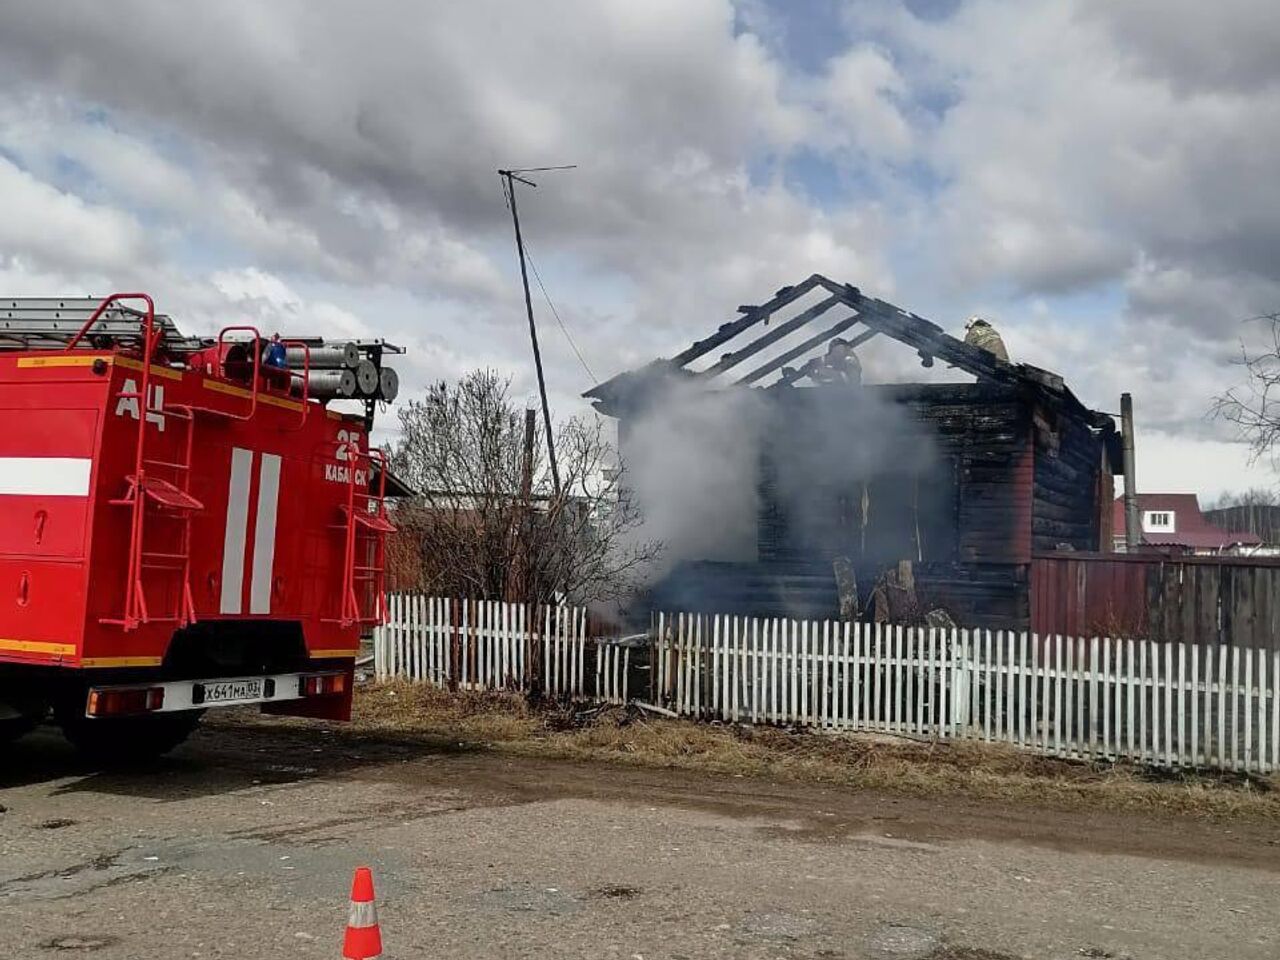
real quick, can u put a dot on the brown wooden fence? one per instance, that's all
(1233, 601)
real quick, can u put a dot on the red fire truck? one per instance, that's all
(185, 523)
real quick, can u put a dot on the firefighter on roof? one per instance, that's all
(978, 333)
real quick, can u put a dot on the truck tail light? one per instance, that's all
(323, 685)
(119, 703)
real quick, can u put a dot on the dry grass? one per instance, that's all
(476, 717)
(506, 723)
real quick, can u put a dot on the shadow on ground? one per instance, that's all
(216, 760)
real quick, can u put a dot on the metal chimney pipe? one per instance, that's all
(1132, 522)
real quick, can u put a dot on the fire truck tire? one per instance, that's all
(129, 738)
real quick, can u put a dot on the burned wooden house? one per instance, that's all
(965, 480)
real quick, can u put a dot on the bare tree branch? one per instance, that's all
(1254, 407)
(471, 531)
(1252, 497)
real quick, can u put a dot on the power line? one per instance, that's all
(508, 176)
(528, 251)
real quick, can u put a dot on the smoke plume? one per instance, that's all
(803, 474)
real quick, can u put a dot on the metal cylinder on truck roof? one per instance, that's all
(388, 384)
(329, 385)
(331, 356)
(367, 378)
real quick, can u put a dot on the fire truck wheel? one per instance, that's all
(129, 738)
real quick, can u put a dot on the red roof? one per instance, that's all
(1192, 529)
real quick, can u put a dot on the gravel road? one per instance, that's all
(241, 845)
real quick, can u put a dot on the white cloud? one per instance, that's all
(1228, 44)
(270, 300)
(1093, 142)
(57, 229)
(858, 104)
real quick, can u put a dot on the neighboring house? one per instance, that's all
(967, 480)
(1173, 523)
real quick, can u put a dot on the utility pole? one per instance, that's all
(518, 577)
(510, 176)
(1132, 519)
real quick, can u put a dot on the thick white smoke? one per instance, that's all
(694, 459)
(691, 459)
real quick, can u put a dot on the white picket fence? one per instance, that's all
(490, 645)
(1169, 705)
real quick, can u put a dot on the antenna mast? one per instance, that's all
(510, 176)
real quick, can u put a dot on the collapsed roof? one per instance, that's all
(615, 396)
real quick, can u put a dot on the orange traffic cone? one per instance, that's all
(364, 937)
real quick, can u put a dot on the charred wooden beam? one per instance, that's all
(731, 360)
(730, 330)
(925, 336)
(809, 344)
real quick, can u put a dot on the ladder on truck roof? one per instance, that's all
(87, 323)
(51, 323)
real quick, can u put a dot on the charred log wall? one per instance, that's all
(984, 431)
(960, 479)
(953, 493)
(992, 596)
(1069, 487)
(987, 596)
(953, 485)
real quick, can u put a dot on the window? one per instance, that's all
(1158, 521)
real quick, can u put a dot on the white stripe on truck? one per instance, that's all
(45, 476)
(237, 525)
(264, 534)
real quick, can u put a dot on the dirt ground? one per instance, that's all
(242, 845)
(630, 736)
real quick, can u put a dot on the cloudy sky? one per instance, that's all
(1097, 176)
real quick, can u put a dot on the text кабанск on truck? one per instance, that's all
(185, 522)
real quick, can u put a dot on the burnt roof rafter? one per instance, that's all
(752, 316)
(879, 317)
(731, 360)
(927, 338)
(791, 376)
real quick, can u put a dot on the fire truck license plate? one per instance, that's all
(235, 690)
